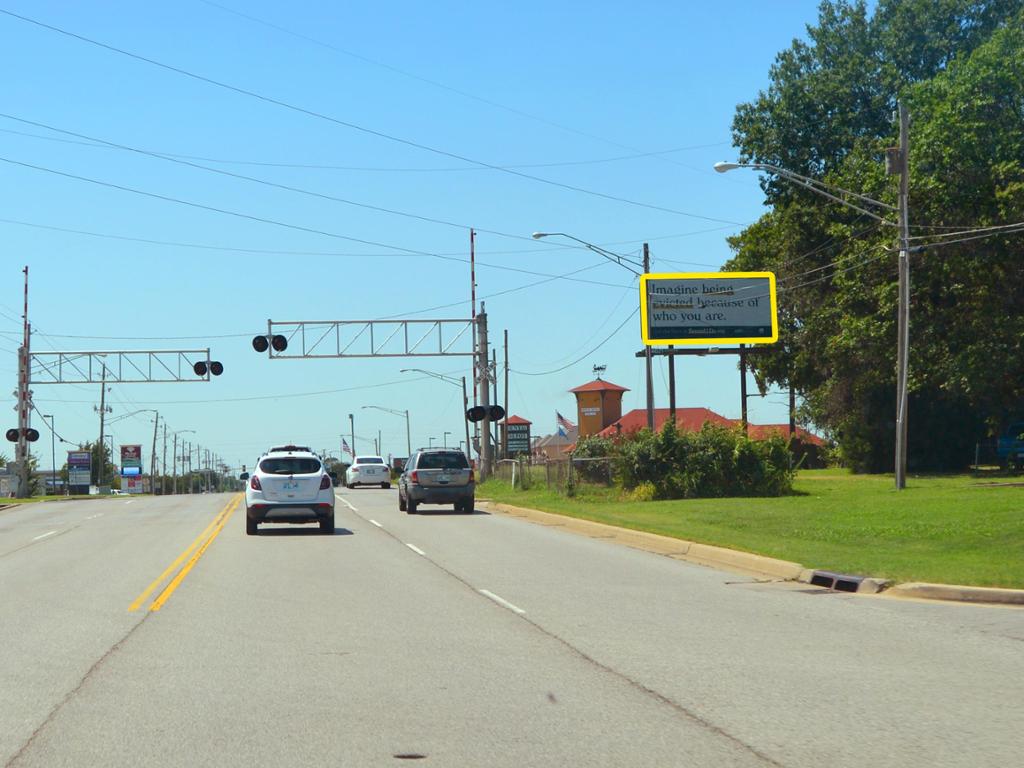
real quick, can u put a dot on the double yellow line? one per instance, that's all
(196, 550)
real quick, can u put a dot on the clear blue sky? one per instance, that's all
(570, 92)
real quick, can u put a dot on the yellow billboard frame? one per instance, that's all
(708, 276)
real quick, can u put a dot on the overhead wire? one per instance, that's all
(443, 86)
(354, 126)
(364, 168)
(260, 219)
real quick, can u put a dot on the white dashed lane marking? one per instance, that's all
(43, 535)
(502, 601)
(376, 523)
(416, 549)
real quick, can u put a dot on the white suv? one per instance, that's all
(368, 470)
(289, 485)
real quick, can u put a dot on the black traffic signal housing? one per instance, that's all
(215, 367)
(263, 343)
(477, 413)
(30, 434)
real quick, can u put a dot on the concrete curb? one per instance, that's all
(960, 593)
(748, 563)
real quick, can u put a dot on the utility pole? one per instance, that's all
(352, 423)
(174, 463)
(24, 400)
(465, 407)
(671, 383)
(504, 429)
(163, 471)
(482, 378)
(792, 411)
(103, 412)
(903, 343)
(650, 381)
(743, 389)
(494, 397)
(152, 457)
(476, 336)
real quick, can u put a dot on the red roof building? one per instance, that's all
(598, 404)
(692, 419)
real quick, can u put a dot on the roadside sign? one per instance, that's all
(79, 467)
(518, 438)
(708, 308)
(131, 456)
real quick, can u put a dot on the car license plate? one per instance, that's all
(290, 485)
(443, 479)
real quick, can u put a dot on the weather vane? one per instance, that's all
(599, 369)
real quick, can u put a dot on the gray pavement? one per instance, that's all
(471, 640)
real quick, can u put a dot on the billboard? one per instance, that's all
(131, 456)
(518, 438)
(79, 467)
(708, 308)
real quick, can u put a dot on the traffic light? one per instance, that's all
(277, 341)
(214, 367)
(30, 434)
(477, 413)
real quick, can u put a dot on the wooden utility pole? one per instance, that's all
(743, 388)
(650, 380)
(903, 340)
(504, 431)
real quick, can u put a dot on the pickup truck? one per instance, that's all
(1010, 446)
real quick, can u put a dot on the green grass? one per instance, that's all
(34, 499)
(948, 529)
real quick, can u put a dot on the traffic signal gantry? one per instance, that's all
(308, 339)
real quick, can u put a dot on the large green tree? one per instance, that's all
(959, 66)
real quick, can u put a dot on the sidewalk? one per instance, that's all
(758, 565)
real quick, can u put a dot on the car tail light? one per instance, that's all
(414, 476)
(355, 470)
(254, 483)
(325, 482)
(472, 477)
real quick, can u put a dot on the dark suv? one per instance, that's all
(437, 476)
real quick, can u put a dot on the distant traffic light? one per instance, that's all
(214, 367)
(12, 435)
(478, 412)
(262, 343)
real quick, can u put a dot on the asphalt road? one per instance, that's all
(463, 640)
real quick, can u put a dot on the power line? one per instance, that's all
(356, 126)
(588, 354)
(262, 220)
(373, 169)
(451, 89)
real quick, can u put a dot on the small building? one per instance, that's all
(598, 404)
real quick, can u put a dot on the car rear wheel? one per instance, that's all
(385, 485)
(251, 526)
(327, 525)
(410, 506)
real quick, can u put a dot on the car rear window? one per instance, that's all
(290, 465)
(442, 461)
(369, 460)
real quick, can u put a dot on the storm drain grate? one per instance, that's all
(837, 581)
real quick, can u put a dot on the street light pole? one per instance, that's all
(352, 423)
(53, 450)
(897, 163)
(465, 398)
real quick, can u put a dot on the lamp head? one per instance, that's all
(723, 166)
(539, 235)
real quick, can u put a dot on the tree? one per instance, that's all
(962, 74)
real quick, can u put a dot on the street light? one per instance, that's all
(408, 439)
(53, 449)
(622, 261)
(465, 399)
(430, 442)
(896, 162)
(352, 423)
(445, 438)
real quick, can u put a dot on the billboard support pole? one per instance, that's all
(648, 362)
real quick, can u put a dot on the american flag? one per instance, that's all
(344, 447)
(564, 425)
